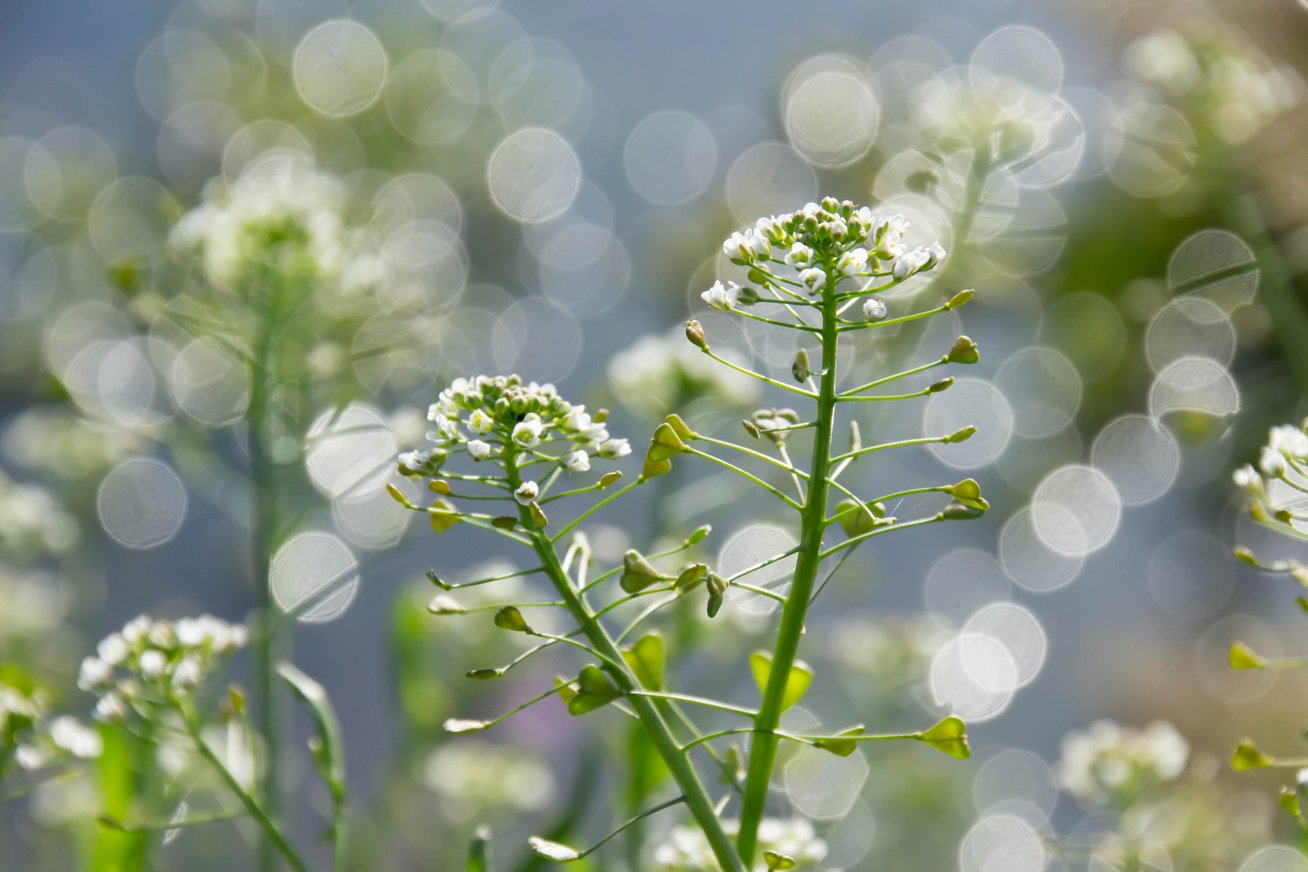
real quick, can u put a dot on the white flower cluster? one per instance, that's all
(35, 603)
(897, 651)
(35, 743)
(959, 112)
(828, 241)
(281, 214)
(32, 522)
(486, 415)
(473, 778)
(1286, 450)
(687, 850)
(152, 655)
(657, 372)
(1110, 763)
(65, 446)
(1216, 72)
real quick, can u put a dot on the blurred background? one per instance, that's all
(545, 188)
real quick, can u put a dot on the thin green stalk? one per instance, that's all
(272, 834)
(763, 754)
(264, 639)
(649, 711)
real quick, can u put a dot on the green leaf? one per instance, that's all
(1242, 657)
(1249, 756)
(646, 659)
(327, 753)
(509, 618)
(555, 851)
(949, 736)
(842, 744)
(594, 690)
(797, 683)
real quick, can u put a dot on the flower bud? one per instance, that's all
(960, 299)
(799, 368)
(961, 435)
(874, 310)
(943, 385)
(695, 333)
(964, 350)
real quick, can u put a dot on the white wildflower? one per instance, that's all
(527, 493)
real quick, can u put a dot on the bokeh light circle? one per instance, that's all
(1191, 574)
(1216, 265)
(537, 336)
(340, 68)
(1189, 327)
(1140, 457)
(962, 583)
(670, 157)
(970, 402)
(1043, 390)
(1275, 858)
(348, 448)
(533, 175)
(314, 577)
(973, 676)
(1076, 510)
(766, 179)
(1031, 563)
(830, 112)
(1018, 630)
(749, 547)
(141, 503)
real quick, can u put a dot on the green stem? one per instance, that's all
(763, 754)
(649, 711)
(263, 644)
(272, 834)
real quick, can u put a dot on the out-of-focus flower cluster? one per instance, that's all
(32, 521)
(152, 661)
(687, 850)
(896, 652)
(474, 777)
(282, 217)
(1216, 73)
(1279, 495)
(65, 447)
(1112, 765)
(32, 742)
(482, 416)
(957, 113)
(829, 240)
(35, 604)
(660, 372)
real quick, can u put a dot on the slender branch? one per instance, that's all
(749, 475)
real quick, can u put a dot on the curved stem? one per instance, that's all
(763, 754)
(649, 711)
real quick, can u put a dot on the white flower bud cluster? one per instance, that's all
(1109, 762)
(1215, 71)
(34, 743)
(148, 656)
(687, 850)
(823, 241)
(281, 214)
(1286, 448)
(657, 372)
(485, 415)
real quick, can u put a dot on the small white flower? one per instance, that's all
(527, 431)
(94, 674)
(526, 493)
(722, 297)
(813, 278)
(69, 735)
(853, 262)
(1247, 478)
(111, 708)
(113, 648)
(577, 461)
(187, 674)
(193, 631)
(480, 422)
(1272, 462)
(134, 631)
(478, 450)
(29, 757)
(614, 448)
(800, 255)
(153, 663)
(874, 310)
(414, 460)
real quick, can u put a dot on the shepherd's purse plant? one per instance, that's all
(507, 454)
